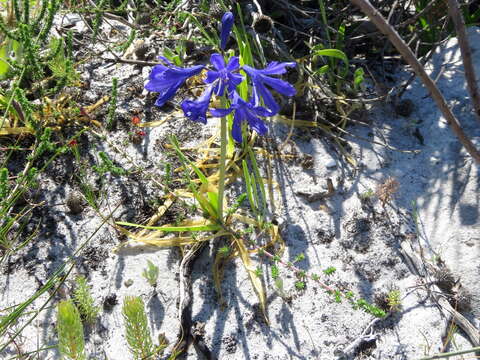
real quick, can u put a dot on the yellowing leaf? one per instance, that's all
(15, 130)
(254, 279)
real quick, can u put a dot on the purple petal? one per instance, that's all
(267, 97)
(280, 86)
(220, 88)
(257, 124)
(157, 71)
(167, 80)
(217, 61)
(233, 63)
(197, 110)
(237, 101)
(221, 112)
(236, 79)
(237, 126)
(252, 72)
(227, 24)
(184, 72)
(165, 60)
(261, 111)
(167, 95)
(211, 76)
(161, 82)
(276, 68)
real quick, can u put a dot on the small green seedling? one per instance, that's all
(137, 332)
(224, 251)
(113, 104)
(107, 165)
(300, 285)
(71, 344)
(393, 300)
(151, 273)
(330, 270)
(366, 195)
(84, 300)
(299, 257)
(275, 272)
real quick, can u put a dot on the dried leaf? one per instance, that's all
(254, 279)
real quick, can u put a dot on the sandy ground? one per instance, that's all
(360, 238)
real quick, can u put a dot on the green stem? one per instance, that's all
(223, 160)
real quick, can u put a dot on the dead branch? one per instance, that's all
(410, 58)
(466, 55)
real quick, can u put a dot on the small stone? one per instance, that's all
(128, 283)
(141, 50)
(97, 340)
(404, 107)
(331, 164)
(109, 302)
(75, 203)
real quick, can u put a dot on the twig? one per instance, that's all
(413, 19)
(120, 20)
(453, 353)
(133, 62)
(365, 337)
(466, 55)
(410, 58)
(417, 267)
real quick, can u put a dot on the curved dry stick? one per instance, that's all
(472, 86)
(410, 58)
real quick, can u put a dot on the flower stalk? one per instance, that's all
(222, 168)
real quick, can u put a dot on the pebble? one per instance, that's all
(404, 107)
(331, 164)
(75, 203)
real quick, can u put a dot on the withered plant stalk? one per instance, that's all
(410, 58)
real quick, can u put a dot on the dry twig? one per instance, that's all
(410, 58)
(466, 55)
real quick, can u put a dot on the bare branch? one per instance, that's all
(466, 55)
(410, 58)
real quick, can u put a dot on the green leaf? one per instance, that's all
(323, 70)
(358, 78)
(248, 185)
(335, 53)
(3, 63)
(186, 162)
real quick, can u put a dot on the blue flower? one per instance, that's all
(244, 112)
(166, 80)
(224, 76)
(227, 24)
(260, 78)
(197, 110)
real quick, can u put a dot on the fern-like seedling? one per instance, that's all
(71, 344)
(151, 273)
(84, 300)
(3, 183)
(136, 328)
(113, 103)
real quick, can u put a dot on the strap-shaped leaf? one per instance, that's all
(254, 279)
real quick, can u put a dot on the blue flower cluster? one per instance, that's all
(223, 80)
